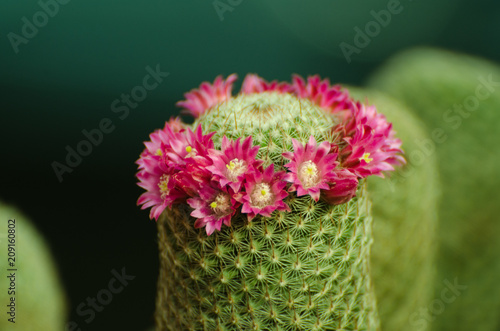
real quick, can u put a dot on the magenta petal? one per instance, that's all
(371, 147)
(198, 101)
(311, 167)
(255, 84)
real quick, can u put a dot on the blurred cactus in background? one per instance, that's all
(405, 221)
(263, 215)
(39, 297)
(458, 98)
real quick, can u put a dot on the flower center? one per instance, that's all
(235, 168)
(261, 195)
(159, 152)
(221, 205)
(366, 157)
(190, 151)
(308, 174)
(163, 185)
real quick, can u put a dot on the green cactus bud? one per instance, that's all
(458, 98)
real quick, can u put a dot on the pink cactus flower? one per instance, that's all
(161, 191)
(332, 98)
(199, 100)
(234, 161)
(264, 193)
(165, 162)
(157, 138)
(175, 123)
(179, 165)
(372, 148)
(255, 84)
(189, 144)
(188, 154)
(311, 168)
(154, 175)
(213, 207)
(341, 189)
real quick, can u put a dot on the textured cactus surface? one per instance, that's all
(459, 95)
(272, 119)
(40, 300)
(307, 269)
(405, 208)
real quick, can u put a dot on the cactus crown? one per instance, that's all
(272, 119)
(216, 175)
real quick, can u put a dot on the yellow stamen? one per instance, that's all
(163, 185)
(235, 168)
(308, 174)
(261, 195)
(159, 152)
(366, 157)
(189, 149)
(230, 166)
(221, 205)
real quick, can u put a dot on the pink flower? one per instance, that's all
(188, 144)
(341, 189)
(198, 101)
(331, 98)
(264, 193)
(155, 173)
(175, 123)
(255, 84)
(161, 191)
(179, 165)
(172, 166)
(371, 144)
(213, 207)
(157, 138)
(311, 167)
(234, 161)
(188, 154)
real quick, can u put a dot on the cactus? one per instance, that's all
(458, 98)
(41, 303)
(263, 216)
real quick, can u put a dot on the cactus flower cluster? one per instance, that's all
(181, 165)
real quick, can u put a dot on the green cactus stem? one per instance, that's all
(308, 269)
(304, 270)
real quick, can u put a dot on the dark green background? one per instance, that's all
(66, 77)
